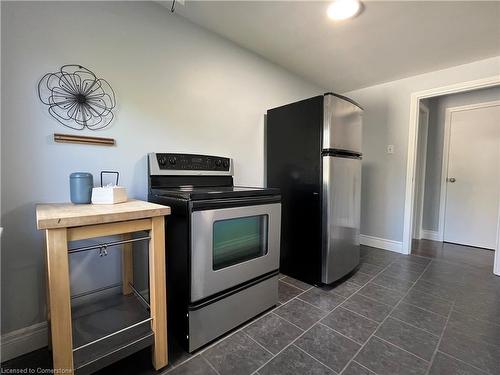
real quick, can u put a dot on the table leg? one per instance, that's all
(47, 294)
(157, 292)
(60, 299)
(127, 266)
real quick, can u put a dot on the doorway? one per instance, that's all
(423, 128)
(473, 215)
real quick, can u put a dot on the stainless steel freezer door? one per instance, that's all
(342, 124)
(341, 216)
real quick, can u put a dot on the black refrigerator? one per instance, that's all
(313, 154)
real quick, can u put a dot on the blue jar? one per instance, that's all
(80, 187)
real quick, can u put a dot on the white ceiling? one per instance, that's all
(388, 41)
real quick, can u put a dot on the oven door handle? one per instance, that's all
(211, 204)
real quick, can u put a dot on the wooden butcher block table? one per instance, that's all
(144, 323)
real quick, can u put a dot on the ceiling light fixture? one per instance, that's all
(343, 9)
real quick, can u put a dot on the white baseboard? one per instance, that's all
(432, 235)
(381, 243)
(496, 263)
(24, 340)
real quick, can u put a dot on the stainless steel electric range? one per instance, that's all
(223, 244)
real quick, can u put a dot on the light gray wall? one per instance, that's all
(386, 121)
(435, 140)
(179, 88)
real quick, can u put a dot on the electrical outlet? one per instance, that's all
(390, 149)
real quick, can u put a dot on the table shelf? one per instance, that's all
(121, 324)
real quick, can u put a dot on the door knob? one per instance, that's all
(452, 179)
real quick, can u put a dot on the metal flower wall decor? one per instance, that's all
(77, 98)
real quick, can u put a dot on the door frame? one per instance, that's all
(412, 151)
(417, 231)
(446, 154)
(496, 262)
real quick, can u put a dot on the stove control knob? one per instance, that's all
(226, 164)
(218, 162)
(172, 161)
(162, 160)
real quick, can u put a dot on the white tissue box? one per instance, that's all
(109, 195)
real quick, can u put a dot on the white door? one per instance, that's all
(473, 177)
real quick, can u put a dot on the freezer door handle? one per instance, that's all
(342, 124)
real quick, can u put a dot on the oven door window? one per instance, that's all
(239, 239)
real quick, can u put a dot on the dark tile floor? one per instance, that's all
(433, 312)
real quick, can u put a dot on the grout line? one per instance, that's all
(290, 300)
(440, 339)
(310, 304)
(362, 286)
(396, 290)
(376, 300)
(416, 289)
(284, 348)
(412, 261)
(340, 333)
(423, 308)
(286, 320)
(366, 368)
(414, 326)
(468, 314)
(258, 343)
(435, 297)
(465, 363)
(340, 295)
(316, 307)
(382, 286)
(395, 275)
(210, 364)
(296, 287)
(181, 363)
(361, 315)
(367, 274)
(383, 321)
(399, 347)
(316, 359)
(373, 265)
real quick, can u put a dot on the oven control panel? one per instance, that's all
(190, 162)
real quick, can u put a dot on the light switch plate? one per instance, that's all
(390, 149)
